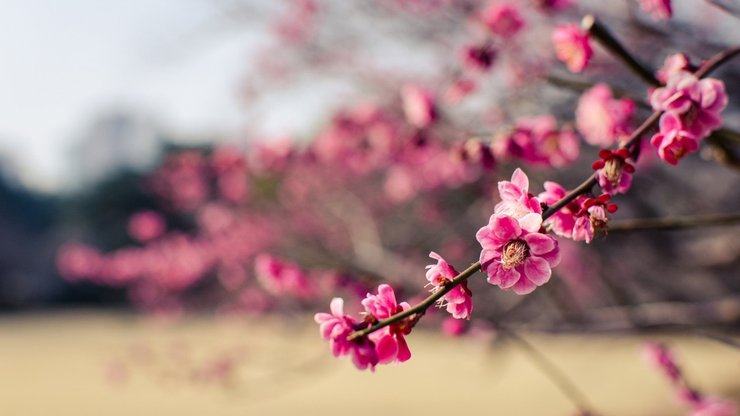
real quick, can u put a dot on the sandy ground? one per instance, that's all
(115, 364)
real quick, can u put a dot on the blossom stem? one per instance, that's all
(557, 376)
(675, 223)
(603, 36)
(419, 308)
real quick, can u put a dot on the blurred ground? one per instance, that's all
(117, 364)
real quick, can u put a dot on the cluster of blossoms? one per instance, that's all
(385, 346)
(661, 357)
(538, 141)
(691, 108)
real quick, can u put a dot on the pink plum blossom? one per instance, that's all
(698, 102)
(673, 64)
(146, 225)
(454, 327)
(516, 255)
(601, 118)
(562, 221)
(572, 46)
(281, 278)
(592, 218)
(459, 300)
(673, 141)
(537, 140)
(390, 342)
(336, 327)
(658, 9)
(516, 201)
(502, 19)
(459, 90)
(418, 105)
(613, 171)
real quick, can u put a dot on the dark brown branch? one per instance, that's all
(606, 39)
(675, 223)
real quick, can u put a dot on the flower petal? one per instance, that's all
(537, 270)
(531, 222)
(539, 243)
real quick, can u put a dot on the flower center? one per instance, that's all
(514, 254)
(613, 169)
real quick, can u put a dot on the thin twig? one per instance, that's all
(673, 223)
(557, 376)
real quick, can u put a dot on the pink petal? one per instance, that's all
(530, 222)
(539, 243)
(337, 307)
(404, 353)
(524, 287)
(506, 228)
(387, 348)
(537, 270)
(506, 278)
(520, 179)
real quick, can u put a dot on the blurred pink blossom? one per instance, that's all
(502, 18)
(418, 105)
(601, 118)
(658, 9)
(146, 225)
(572, 46)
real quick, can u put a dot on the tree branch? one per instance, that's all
(606, 39)
(674, 223)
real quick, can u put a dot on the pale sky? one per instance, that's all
(63, 62)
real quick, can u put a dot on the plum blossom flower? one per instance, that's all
(459, 300)
(336, 327)
(538, 141)
(592, 218)
(601, 118)
(673, 64)
(516, 201)
(502, 19)
(563, 220)
(418, 105)
(673, 141)
(658, 9)
(516, 255)
(698, 102)
(390, 342)
(572, 46)
(146, 225)
(459, 90)
(281, 277)
(614, 173)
